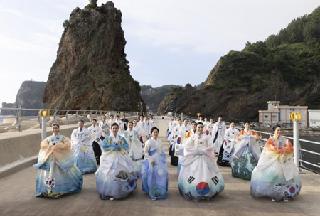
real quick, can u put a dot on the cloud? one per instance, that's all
(208, 26)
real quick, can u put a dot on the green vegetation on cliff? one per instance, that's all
(284, 67)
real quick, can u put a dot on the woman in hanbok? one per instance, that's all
(246, 153)
(154, 168)
(82, 149)
(135, 148)
(276, 176)
(57, 173)
(199, 177)
(115, 178)
(228, 145)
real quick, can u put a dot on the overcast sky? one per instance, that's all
(168, 41)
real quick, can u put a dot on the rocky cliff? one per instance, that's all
(152, 96)
(29, 96)
(284, 67)
(91, 70)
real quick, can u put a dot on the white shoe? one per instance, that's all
(111, 199)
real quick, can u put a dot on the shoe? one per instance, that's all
(111, 198)
(273, 200)
(153, 199)
(285, 200)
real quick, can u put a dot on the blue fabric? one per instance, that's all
(155, 177)
(115, 177)
(62, 181)
(108, 146)
(86, 163)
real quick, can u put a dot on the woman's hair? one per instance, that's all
(275, 127)
(115, 124)
(200, 123)
(55, 125)
(154, 128)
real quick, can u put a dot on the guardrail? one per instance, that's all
(15, 119)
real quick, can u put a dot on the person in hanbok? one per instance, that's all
(135, 148)
(246, 153)
(141, 130)
(178, 134)
(276, 176)
(57, 173)
(171, 126)
(115, 178)
(218, 134)
(103, 124)
(228, 145)
(95, 133)
(154, 168)
(199, 177)
(82, 149)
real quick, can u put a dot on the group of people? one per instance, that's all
(118, 152)
(196, 147)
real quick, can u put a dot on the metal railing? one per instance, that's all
(19, 119)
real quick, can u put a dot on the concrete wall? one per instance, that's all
(17, 148)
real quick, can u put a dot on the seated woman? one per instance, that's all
(135, 148)
(154, 168)
(114, 177)
(276, 176)
(57, 173)
(199, 177)
(246, 153)
(81, 146)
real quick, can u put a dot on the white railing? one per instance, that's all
(20, 115)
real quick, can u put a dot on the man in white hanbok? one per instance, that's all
(82, 149)
(135, 148)
(228, 145)
(96, 133)
(218, 134)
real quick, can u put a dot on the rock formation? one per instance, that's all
(91, 70)
(29, 96)
(153, 96)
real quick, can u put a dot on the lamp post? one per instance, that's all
(44, 114)
(295, 117)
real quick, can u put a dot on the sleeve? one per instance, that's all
(125, 144)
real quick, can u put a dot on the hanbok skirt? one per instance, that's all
(225, 153)
(244, 160)
(54, 180)
(199, 178)
(85, 159)
(274, 179)
(155, 178)
(115, 177)
(137, 166)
